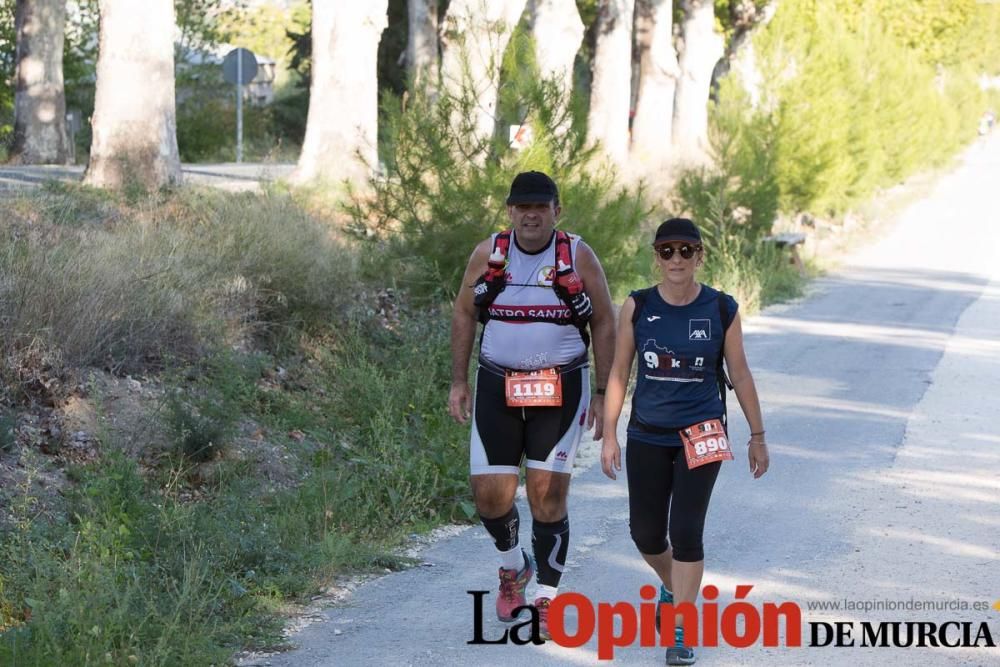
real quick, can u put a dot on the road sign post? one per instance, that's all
(239, 110)
(239, 67)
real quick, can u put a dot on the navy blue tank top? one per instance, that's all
(678, 348)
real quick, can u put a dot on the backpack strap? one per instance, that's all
(569, 287)
(639, 296)
(491, 283)
(720, 372)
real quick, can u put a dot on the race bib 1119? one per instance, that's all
(541, 388)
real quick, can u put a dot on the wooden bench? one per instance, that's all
(790, 240)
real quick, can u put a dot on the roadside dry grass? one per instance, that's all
(210, 412)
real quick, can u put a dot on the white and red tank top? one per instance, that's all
(529, 326)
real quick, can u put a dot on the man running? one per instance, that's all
(542, 297)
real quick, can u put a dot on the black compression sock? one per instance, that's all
(550, 542)
(504, 529)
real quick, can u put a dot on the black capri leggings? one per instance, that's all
(659, 481)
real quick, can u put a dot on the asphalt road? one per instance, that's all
(879, 390)
(229, 176)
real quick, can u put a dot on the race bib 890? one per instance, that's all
(705, 442)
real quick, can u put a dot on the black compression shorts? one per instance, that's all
(544, 438)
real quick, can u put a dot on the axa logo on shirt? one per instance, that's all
(699, 329)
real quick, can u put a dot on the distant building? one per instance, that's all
(207, 63)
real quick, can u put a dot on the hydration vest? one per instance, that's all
(566, 283)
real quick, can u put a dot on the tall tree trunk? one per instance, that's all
(39, 99)
(610, 91)
(475, 36)
(658, 71)
(342, 125)
(422, 43)
(135, 125)
(701, 51)
(558, 32)
(741, 56)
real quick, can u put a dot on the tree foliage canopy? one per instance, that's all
(946, 32)
(861, 95)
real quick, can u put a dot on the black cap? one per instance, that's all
(677, 229)
(532, 187)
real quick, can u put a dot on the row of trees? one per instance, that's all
(648, 70)
(452, 46)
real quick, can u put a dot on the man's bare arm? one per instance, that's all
(463, 334)
(602, 329)
(602, 323)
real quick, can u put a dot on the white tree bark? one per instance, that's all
(134, 124)
(422, 42)
(742, 56)
(39, 99)
(475, 36)
(558, 32)
(610, 91)
(342, 125)
(652, 125)
(702, 48)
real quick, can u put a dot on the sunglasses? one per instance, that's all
(686, 251)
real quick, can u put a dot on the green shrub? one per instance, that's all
(763, 278)
(8, 422)
(103, 588)
(443, 190)
(406, 459)
(735, 204)
(855, 106)
(290, 111)
(201, 424)
(206, 130)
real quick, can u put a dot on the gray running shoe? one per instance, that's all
(678, 654)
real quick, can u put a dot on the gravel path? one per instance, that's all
(879, 389)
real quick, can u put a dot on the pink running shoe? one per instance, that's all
(512, 585)
(542, 605)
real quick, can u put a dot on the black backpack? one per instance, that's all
(639, 296)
